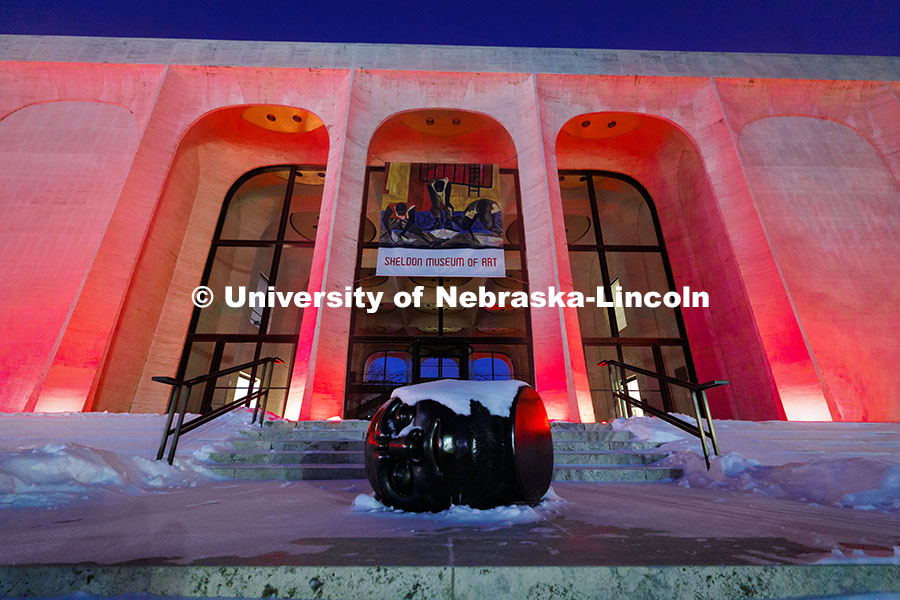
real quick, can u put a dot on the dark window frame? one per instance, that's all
(277, 244)
(654, 343)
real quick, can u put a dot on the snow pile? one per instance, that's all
(648, 429)
(861, 481)
(97, 453)
(456, 394)
(53, 474)
(838, 557)
(506, 515)
(131, 433)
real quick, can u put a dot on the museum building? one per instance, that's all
(134, 171)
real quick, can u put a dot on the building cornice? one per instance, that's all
(229, 53)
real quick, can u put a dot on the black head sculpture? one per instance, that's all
(428, 453)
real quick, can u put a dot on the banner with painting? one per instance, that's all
(441, 220)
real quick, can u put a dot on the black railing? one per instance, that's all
(181, 391)
(623, 402)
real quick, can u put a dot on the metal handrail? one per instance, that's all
(623, 402)
(179, 393)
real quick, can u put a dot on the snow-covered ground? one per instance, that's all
(49, 459)
(852, 465)
(95, 474)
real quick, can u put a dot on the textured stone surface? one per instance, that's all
(445, 58)
(672, 582)
(558, 583)
(248, 582)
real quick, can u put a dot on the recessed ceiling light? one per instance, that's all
(429, 121)
(270, 117)
(456, 121)
(297, 118)
(585, 123)
(611, 124)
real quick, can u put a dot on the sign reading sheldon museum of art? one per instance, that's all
(441, 220)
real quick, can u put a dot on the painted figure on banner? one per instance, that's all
(441, 219)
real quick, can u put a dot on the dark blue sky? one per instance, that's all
(826, 26)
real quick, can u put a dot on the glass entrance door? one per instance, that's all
(441, 361)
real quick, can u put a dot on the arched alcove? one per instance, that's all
(831, 212)
(459, 147)
(649, 164)
(64, 164)
(442, 136)
(212, 155)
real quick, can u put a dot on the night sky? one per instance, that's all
(802, 26)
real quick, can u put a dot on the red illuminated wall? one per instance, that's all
(778, 197)
(68, 135)
(823, 166)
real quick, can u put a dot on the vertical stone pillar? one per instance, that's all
(319, 373)
(560, 375)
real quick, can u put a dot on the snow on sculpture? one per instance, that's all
(476, 443)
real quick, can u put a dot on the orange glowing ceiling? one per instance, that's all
(442, 123)
(284, 119)
(596, 126)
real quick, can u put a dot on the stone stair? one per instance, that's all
(594, 452)
(334, 450)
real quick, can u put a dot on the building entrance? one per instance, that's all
(398, 346)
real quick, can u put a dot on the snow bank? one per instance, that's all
(861, 483)
(859, 556)
(56, 473)
(649, 429)
(864, 481)
(505, 515)
(99, 453)
(496, 396)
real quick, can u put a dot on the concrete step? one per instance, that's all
(303, 434)
(589, 445)
(285, 433)
(591, 436)
(587, 472)
(356, 424)
(567, 426)
(607, 457)
(615, 473)
(335, 450)
(601, 457)
(567, 472)
(296, 444)
(263, 457)
(343, 457)
(292, 472)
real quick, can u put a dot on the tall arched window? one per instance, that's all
(614, 240)
(264, 238)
